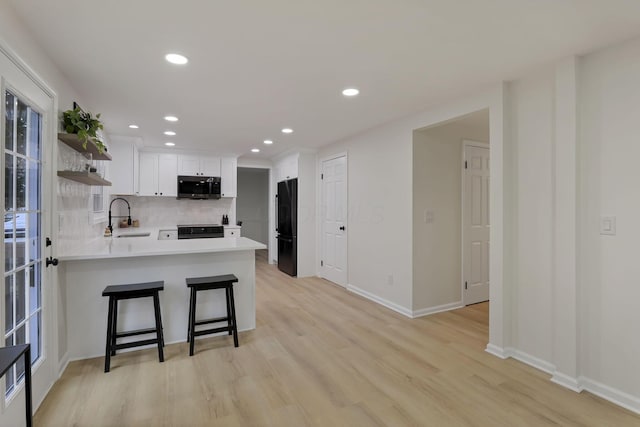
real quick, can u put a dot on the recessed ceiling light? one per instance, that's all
(255, 150)
(177, 59)
(171, 118)
(169, 144)
(350, 91)
(170, 133)
(287, 130)
(134, 126)
(268, 141)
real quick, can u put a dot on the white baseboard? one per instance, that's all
(62, 366)
(437, 309)
(496, 351)
(618, 397)
(566, 381)
(530, 360)
(386, 303)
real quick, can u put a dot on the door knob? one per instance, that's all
(342, 228)
(51, 261)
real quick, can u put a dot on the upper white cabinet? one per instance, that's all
(286, 168)
(158, 174)
(198, 165)
(229, 177)
(124, 168)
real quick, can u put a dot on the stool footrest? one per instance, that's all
(212, 331)
(136, 343)
(136, 332)
(208, 321)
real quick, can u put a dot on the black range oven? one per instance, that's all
(200, 231)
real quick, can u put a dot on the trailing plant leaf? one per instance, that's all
(83, 124)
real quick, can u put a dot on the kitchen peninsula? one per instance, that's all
(130, 257)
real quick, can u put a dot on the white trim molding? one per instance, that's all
(566, 381)
(496, 351)
(437, 309)
(617, 397)
(386, 303)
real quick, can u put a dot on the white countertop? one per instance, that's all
(128, 247)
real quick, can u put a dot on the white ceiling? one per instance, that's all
(257, 66)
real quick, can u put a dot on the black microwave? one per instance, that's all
(198, 187)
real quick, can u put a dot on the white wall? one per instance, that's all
(437, 187)
(532, 120)
(609, 87)
(252, 204)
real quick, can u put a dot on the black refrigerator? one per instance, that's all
(287, 226)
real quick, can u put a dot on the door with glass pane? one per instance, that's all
(22, 231)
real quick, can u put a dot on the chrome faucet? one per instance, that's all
(120, 216)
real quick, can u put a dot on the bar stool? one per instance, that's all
(197, 284)
(122, 292)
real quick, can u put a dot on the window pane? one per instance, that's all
(9, 376)
(21, 296)
(21, 338)
(35, 338)
(32, 233)
(9, 117)
(8, 303)
(21, 183)
(34, 185)
(20, 243)
(34, 134)
(9, 226)
(8, 182)
(22, 130)
(34, 288)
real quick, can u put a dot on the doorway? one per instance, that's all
(438, 246)
(475, 222)
(252, 203)
(27, 129)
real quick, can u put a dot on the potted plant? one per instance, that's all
(83, 124)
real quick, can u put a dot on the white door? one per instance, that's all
(27, 130)
(475, 228)
(333, 265)
(148, 170)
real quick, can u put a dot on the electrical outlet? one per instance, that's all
(608, 225)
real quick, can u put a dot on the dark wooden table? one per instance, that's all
(9, 356)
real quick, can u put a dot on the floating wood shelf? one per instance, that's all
(89, 178)
(74, 142)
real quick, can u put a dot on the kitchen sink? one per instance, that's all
(134, 235)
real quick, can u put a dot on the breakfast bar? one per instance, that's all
(87, 269)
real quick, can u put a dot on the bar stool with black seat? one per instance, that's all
(130, 291)
(197, 284)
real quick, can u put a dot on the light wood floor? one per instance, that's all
(322, 356)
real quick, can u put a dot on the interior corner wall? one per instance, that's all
(437, 190)
(532, 134)
(380, 201)
(609, 91)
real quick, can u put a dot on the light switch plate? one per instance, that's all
(608, 225)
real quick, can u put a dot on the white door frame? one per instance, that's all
(320, 222)
(467, 143)
(49, 367)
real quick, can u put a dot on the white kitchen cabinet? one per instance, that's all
(229, 177)
(232, 231)
(193, 165)
(124, 168)
(287, 168)
(158, 174)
